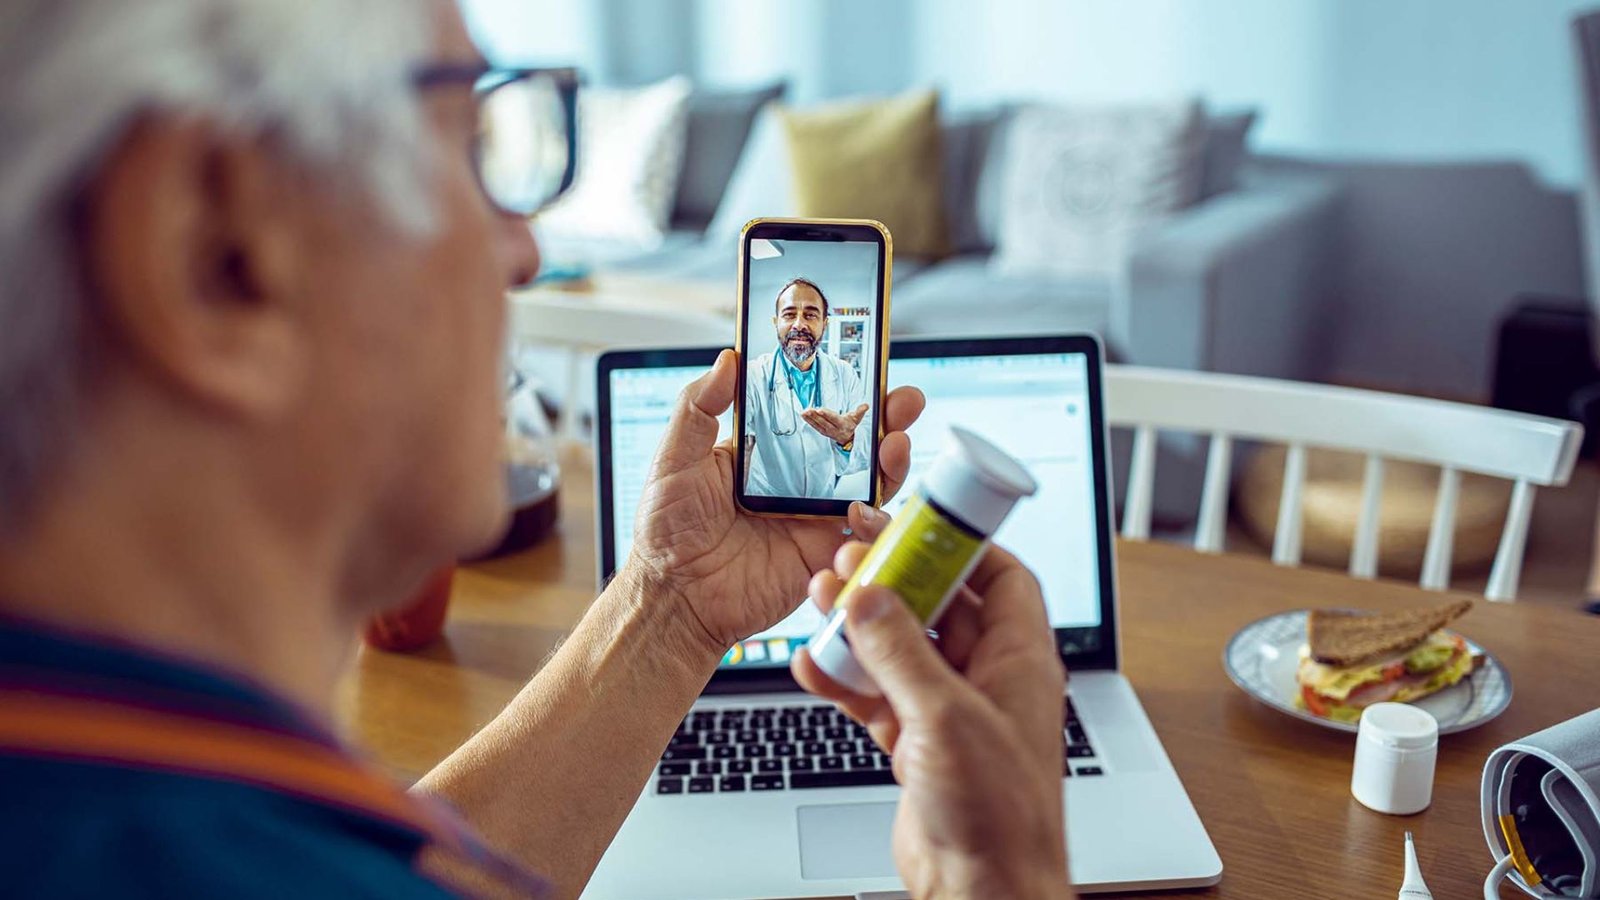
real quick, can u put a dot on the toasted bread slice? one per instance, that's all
(1344, 638)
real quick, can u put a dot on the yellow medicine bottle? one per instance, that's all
(932, 545)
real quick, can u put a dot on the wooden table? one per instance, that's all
(1273, 791)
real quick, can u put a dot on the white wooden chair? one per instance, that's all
(1530, 451)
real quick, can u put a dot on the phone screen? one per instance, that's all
(813, 336)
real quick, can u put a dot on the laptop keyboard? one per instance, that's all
(1079, 757)
(773, 748)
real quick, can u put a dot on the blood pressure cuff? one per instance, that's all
(1541, 807)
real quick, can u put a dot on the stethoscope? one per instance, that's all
(794, 417)
(772, 397)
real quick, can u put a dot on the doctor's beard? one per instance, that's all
(799, 345)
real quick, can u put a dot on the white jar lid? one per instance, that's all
(976, 481)
(1399, 725)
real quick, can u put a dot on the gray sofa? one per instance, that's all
(1234, 283)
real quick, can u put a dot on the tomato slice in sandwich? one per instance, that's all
(1313, 701)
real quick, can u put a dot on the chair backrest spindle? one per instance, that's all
(1442, 533)
(1364, 549)
(1211, 533)
(1513, 541)
(1141, 485)
(1286, 540)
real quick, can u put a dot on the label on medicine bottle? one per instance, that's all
(923, 556)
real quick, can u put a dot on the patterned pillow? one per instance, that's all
(1081, 183)
(630, 155)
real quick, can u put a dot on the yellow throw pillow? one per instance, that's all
(877, 159)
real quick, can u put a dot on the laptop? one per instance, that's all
(767, 792)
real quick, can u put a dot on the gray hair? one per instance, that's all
(328, 79)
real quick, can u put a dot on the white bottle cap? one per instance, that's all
(977, 482)
(1399, 725)
(1396, 748)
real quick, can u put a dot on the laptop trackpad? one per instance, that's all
(846, 840)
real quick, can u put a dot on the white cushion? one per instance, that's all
(1081, 182)
(630, 155)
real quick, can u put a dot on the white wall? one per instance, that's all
(1395, 79)
(1417, 80)
(548, 32)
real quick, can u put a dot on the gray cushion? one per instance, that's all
(1226, 136)
(761, 184)
(968, 139)
(960, 297)
(989, 180)
(719, 124)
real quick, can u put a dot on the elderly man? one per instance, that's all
(251, 303)
(806, 423)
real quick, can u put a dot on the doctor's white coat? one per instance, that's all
(791, 458)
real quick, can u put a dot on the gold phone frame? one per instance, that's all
(743, 313)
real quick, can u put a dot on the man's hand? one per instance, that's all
(735, 573)
(840, 427)
(973, 722)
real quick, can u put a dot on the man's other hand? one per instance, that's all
(838, 427)
(973, 721)
(737, 574)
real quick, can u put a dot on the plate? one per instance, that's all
(1263, 656)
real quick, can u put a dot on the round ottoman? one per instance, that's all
(1333, 506)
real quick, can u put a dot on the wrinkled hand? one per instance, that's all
(973, 722)
(738, 574)
(838, 427)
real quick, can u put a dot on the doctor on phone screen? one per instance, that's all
(806, 422)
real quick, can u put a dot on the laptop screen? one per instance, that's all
(1035, 405)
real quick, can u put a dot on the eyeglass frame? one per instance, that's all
(485, 79)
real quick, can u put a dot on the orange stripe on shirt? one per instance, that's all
(81, 728)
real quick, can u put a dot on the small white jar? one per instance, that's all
(1396, 747)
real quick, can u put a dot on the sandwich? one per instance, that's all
(1354, 659)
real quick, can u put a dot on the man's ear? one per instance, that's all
(191, 256)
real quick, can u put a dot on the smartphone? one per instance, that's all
(813, 337)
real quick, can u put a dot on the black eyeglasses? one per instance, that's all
(526, 149)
